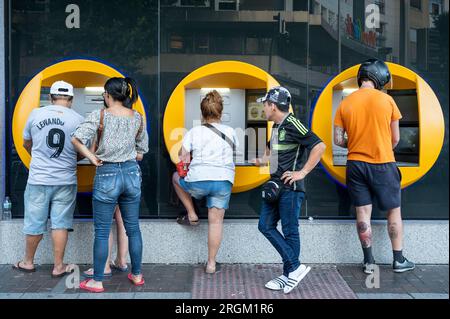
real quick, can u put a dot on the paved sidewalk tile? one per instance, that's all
(163, 295)
(383, 296)
(429, 296)
(48, 296)
(247, 282)
(10, 295)
(158, 279)
(425, 279)
(234, 281)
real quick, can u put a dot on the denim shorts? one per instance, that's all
(40, 200)
(217, 193)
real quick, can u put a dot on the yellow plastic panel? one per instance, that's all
(80, 73)
(431, 120)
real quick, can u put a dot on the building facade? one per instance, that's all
(301, 43)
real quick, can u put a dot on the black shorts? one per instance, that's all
(381, 181)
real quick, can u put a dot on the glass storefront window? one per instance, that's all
(118, 33)
(302, 44)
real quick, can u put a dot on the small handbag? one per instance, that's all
(182, 169)
(271, 191)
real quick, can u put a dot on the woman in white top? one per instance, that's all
(211, 171)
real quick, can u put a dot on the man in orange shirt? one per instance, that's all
(367, 123)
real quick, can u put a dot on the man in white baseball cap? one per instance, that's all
(52, 179)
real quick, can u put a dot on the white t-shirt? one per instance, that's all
(212, 156)
(53, 157)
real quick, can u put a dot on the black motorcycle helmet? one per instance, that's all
(375, 70)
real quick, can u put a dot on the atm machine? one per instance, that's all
(422, 126)
(88, 78)
(407, 150)
(87, 100)
(241, 112)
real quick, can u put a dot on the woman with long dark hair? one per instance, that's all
(122, 140)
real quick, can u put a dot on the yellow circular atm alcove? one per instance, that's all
(88, 78)
(422, 127)
(225, 76)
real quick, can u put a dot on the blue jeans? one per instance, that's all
(287, 209)
(117, 184)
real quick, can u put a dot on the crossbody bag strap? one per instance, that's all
(224, 137)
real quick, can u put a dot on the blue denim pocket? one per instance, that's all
(135, 177)
(36, 194)
(105, 183)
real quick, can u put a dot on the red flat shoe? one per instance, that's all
(141, 283)
(83, 285)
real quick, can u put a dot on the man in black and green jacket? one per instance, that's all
(293, 152)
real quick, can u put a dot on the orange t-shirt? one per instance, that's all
(366, 116)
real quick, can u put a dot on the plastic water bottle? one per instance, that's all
(7, 205)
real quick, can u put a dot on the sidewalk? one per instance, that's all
(234, 281)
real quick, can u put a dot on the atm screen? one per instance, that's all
(406, 101)
(45, 97)
(407, 150)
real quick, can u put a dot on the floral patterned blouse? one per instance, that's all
(120, 141)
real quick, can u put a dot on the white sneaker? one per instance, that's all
(277, 283)
(295, 277)
(369, 268)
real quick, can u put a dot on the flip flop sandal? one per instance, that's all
(216, 269)
(19, 268)
(118, 268)
(184, 220)
(83, 285)
(71, 271)
(90, 276)
(141, 283)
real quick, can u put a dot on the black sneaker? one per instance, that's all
(404, 266)
(369, 268)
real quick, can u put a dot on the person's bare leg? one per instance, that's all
(122, 241)
(31, 245)
(185, 198)
(59, 237)
(363, 215)
(395, 228)
(215, 231)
